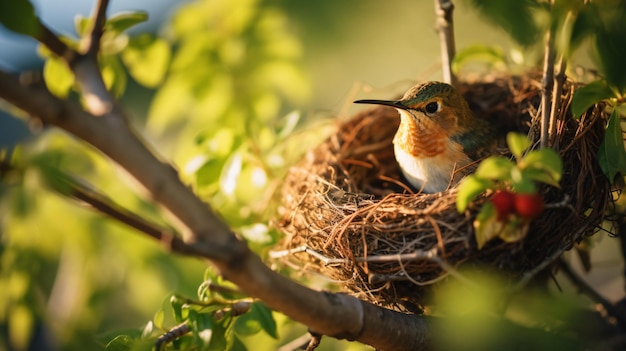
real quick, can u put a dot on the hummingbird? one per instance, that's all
(438, 136)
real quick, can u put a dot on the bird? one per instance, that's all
(438, 136)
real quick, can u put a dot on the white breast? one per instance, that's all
(431, 174)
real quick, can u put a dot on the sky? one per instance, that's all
(18, 52)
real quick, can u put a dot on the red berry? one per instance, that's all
(529, 206)
(504, 202)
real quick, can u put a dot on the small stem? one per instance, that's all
(546, 89)
(559, 78)
(445, 27)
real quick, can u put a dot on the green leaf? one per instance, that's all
(590, 94)
(495, 168)
(523, 185)
(122, 21)
(19, 16)
(248, 323)
(120, 343)
(147, 59)
(611, 43)
(209, 172)
(470, 187)
(82, 25)
(289, 123)
(518, 143)
(517, 18)
(266, 318)
(231, 171)
(177, 308)
(541, 176)
(58, 77)
(114, 75)
(158, 319)
(611, 156)
(544, 160)
(479, 52)
(486, 225)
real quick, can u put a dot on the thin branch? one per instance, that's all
(557, 89)
(546, 88)
(98, 20)
(445, 26)
(103, 204)
(171, 335)
(587, 290)
(55, 45)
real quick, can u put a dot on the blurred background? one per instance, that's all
(246, 86)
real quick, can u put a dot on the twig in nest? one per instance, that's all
(445, 27)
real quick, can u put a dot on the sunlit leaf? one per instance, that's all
(123, 21)
(495, 168)
(19, 16)
(147, 330)
(58, 77)
(158, 319)
(113, 44)
(590, 94)
(546, 160)
(171, 102)
(611, 156)
(517, 143)
(147, 59)
(479, 52)
(288, 124)
(114, 75)
(82, 25)
(230, 174)
(470, 187)
(120, 343)
(209, 173)
(177, 305)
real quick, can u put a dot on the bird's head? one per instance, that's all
(435, 101)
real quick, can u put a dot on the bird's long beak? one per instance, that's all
(392, 103)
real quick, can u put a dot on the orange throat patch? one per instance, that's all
(423, 139)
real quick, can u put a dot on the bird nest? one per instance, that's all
(348, 215)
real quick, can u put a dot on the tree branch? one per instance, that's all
(101, 203)
(445, 27)
(98, 20)
(207, 236)
(54, 44)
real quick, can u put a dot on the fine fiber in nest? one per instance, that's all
(347, 214)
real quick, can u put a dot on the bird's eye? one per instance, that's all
(432, 107)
